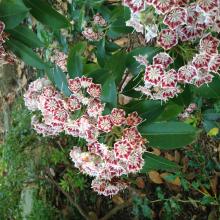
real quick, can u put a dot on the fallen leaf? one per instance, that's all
(117, 200)
(169, 157)
(214, 184)
(93, 216)
(213, 132)
(122, 41)
(140, 183)
(185, 162)
(166, 177)
(213, 215)
(156, 151)
(155, 177)
(177, 156)
(203, 189)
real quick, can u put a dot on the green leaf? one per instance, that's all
(213, 132)
(100, 52)
(118, 20)
(147, 109)
(109, 92)
(26, 36)
(132, 84)
(168, 135)
(90, 67)
(44, 13)
(116, 66)
(75, 60)
(58, 77)
(100, 75)
(212, 90)
(12, 12)
(171, 110)
(184, 98)
(118, 28)
(26, 54)
(111, 46)
(133, 65)
(154, 162)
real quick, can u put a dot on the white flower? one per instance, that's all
(151, 31)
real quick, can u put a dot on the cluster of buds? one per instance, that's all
(60, 59)
(114, 144)
(95, 33)
(185, 20)
(99, 20)
(5, 57)
(188, 111)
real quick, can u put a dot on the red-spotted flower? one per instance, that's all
(154, 73)
(175, 18)
(167, 39)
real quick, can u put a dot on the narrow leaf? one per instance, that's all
(12, 12)
(58, 77)
(26, 54)
(154, 162)
(44, 13)
(109, 92)
(26, 36)
(75, 60)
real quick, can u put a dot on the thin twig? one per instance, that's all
(116, 209)
(123, 81)
(81, 211)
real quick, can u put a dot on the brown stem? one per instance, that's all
(116, 209)
(81, 211)
(123, 81)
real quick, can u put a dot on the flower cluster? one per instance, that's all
(160, 83)
(60, 59)
(184, 20)
(117, 151)
(5, 57)
(188, 111)
(115, 146)
(207, 61)
(94, 33)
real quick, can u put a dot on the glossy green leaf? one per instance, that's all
(168, 135)
(153, 162)
(116, 66)
(118, 28)
(44, 13)
(75, 60)
(100, 53)
(109, 92)
(212, 90)
(171, 110)
(90, 67)
(58, 77)
(99, 76)
(12, 12)
(26, 54)
(184, 98)
(26, 36)
(147, 109)
(118, 19)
